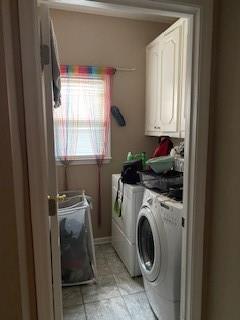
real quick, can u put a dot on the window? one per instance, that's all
(81, 123)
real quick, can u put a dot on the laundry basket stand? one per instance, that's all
(77, 204)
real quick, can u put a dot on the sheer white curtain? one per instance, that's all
(82, 123)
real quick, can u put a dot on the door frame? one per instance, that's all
(44, 20)
(36, 156)
(196, 147)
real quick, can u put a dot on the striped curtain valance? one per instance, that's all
(77, 71)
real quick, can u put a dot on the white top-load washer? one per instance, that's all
(124, 226)
(159, 238)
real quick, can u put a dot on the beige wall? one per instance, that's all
(223, 214)
(96, 40)
(17, 294)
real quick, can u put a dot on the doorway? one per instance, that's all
(194, 145)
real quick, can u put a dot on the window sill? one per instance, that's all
(83, 162)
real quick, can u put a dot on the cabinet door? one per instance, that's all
(152, 80)
(169, 70)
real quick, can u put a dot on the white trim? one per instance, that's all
(196, 146)
(83, 161)
(46, 77)
(109, 9)
(36, 152)
(104, 240)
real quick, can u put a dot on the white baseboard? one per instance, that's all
(103, 240)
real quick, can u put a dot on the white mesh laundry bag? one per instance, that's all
(76, 240)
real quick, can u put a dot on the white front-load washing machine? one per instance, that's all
(159, 240)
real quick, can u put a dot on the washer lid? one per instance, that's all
(149, 247)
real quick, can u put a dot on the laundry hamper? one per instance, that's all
(78, 262)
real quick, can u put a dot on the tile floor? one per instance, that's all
(115, 296)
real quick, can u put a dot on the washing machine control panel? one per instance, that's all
(169, 216)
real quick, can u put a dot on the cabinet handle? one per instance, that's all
(155, 127)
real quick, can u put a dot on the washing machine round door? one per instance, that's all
(148, 245)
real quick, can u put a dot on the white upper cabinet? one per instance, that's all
(169, 73)
(165, 75)
(152, 80)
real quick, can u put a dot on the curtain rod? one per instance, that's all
(125, 69)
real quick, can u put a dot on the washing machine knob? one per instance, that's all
(150, 201)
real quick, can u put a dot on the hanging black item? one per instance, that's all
(118, 116)
(129, 175)
(130, 171)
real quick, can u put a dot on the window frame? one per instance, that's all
(87, 159)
